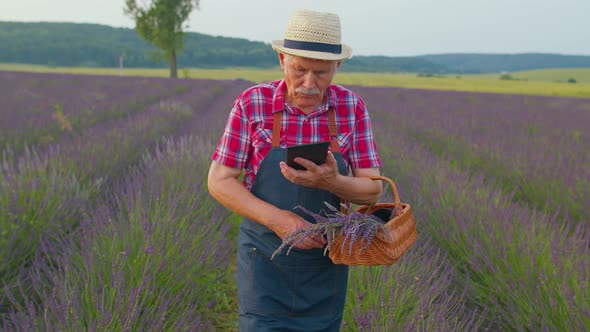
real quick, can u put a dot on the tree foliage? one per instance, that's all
(161, 23)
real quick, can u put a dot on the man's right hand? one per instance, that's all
(223, 184)
(287, 222)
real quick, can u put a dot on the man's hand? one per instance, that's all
(288, 222)
(358, 189)
(317, 176)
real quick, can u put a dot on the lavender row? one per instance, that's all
(535, 146)
(44, 193)
(121, 141)
(40, 109)
(525, 269)
(415, 294)
(149, 257)
(211, 121)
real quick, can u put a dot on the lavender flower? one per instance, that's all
(351, 225)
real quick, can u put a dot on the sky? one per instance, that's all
(370, 27)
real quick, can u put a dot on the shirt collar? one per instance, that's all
(279, 103)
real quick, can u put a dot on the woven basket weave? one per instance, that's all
(383, 250)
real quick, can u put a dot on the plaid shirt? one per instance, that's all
(247, 137)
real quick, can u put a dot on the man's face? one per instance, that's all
(307, 80)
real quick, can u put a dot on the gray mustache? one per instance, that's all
(308, 92)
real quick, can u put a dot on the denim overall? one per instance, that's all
(303, 291)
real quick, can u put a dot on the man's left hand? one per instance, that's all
(317, 176)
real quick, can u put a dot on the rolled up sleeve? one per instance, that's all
(234, 145)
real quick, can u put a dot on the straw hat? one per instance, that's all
(313, 35)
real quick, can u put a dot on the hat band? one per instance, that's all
(311, 46)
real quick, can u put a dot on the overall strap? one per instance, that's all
(335, 146)
(333, 130)
(276, 130)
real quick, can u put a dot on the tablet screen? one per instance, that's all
(315, 152)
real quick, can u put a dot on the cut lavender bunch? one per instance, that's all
(351, 225)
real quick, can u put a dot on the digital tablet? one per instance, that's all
(315, 152)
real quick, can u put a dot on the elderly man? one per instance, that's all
(304, 291)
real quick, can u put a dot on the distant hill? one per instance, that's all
(94, 45)
(494, 63)
(71, 44)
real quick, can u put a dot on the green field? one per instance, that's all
(557, 75)
(550, 82)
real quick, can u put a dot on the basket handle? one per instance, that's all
(396, 200)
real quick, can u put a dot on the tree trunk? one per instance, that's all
(173, 70)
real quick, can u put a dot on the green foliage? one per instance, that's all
(64, 123)
(161, 23)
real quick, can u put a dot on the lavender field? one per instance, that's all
(106, 223)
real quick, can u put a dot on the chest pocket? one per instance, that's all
(344, 140)
(261, 137)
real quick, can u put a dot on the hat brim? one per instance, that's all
(278, 45)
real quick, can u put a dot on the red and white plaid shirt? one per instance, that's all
(247, 137)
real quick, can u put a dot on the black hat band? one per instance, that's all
(311, 46)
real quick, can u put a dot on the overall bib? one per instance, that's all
(303, 291)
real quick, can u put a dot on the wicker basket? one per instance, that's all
(384, 250)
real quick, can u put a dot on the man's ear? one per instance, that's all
(338, 63)
(282, 61)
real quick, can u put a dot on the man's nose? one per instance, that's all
(309, 80)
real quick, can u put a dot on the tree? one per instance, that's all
(506, 77)
(161, 23)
